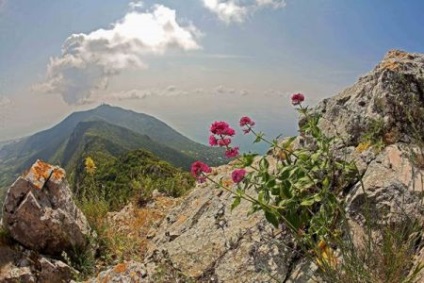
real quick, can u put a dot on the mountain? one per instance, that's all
(107, 129)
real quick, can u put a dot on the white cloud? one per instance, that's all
(134, 5)
(276, 4)
(221, 89)
(88, 61)
(131, 94)
(230, 11)
(165, 91)
(227, 11)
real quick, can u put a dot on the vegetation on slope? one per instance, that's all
(107, 185)
(49, 145)
(132, 176)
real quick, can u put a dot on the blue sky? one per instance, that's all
(190, 62)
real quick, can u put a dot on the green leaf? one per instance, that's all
(286, 189)
(304, 155)
(295, 173)
(317, 197)
(261, 196)
(271, 183)
(286, 144)
(258, 137)
(308, 202)
(304, 183)
(284, 174)
(265, 176)
(248, 159)
(272, 218)
(236, 202)
(283, 203)
(264, 164)
(326, 182)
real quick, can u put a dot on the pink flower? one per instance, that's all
(230, 132)
(297, 98)
(246, 121)
(212, 140)
(222, 128)
(224, 142)
(218, 128)
(232, 152)
(238, 175)
(198, 168)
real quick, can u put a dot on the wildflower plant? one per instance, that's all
(298, 190)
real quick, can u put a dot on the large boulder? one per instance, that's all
(206, 241)
(40, 214)
(388, 101)
(20, 265)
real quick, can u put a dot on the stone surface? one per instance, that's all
(127, 272)
(392, 93)
(391, 187)
(20, 265)
(207, 242)
(40, 214)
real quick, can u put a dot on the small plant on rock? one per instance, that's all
(301, 190)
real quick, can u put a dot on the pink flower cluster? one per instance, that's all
(221, 136)
(238, 175)
(197, 170)
(247, 123)
(297, 98)
(222, 128)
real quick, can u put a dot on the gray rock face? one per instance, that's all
(27, 266)
(390, 97)
(40, 214)
(391, 188)
(207, 242)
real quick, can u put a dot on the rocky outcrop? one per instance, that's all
(20, 265)
(206, 241)
(378, 119)
(39, 212)
(391, 187)
(388, 101)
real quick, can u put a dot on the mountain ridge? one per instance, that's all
(48, 144)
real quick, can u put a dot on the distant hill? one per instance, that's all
(106, 132)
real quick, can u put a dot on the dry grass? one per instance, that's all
(123, 235)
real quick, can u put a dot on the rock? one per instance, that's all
(40, 214)
(207, 242)
(304, 272)
(16, 274)
(390, 190)
(20, 265)
(52, 270)
(387, 101)
(127, 272)
(156, 193)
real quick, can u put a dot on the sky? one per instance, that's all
(190, 62)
